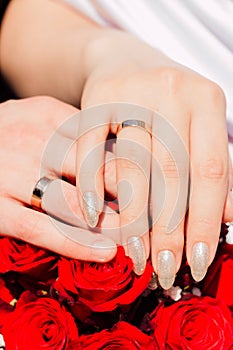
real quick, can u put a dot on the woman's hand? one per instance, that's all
(189, 143)
(189, 138)
(34, 142)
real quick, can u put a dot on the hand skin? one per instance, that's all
(27, 129)
(75, 60)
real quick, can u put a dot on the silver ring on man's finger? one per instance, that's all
(39, 191)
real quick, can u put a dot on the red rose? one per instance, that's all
(101, 287)
(122, 336)
(38, 323)
(24, 257)
(5, 293)
(198, 323)
(218, 282)
(5, 310)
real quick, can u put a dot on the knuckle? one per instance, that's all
(169, 169)
(101, 91)
(213, 168)
(131, 164)
(43, 104)
(48, 106)
(171, 79)
(45, 101)
(212, 93)
(173, 169)
(160, 228)
(8, 104)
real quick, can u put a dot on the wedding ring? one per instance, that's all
(39, 191)
(134, 123)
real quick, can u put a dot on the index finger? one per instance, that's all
(39, 229)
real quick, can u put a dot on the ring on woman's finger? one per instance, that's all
(134, 123)
(39, 190)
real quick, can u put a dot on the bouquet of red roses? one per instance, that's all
(51, 302)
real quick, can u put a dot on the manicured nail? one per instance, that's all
(137, 253)
(90, 209)
(166, 266)
(199, 260)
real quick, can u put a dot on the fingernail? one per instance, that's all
(199, 260)
(102, 249)
(90, 209)
(136, 252)
(166, 266)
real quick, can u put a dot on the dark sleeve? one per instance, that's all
(5, 91)
(3, 6)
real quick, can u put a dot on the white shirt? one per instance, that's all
(195, 33)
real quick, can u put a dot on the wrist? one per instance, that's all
(110, 47)
(114, 51)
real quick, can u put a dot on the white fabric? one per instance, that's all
(196, 33)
